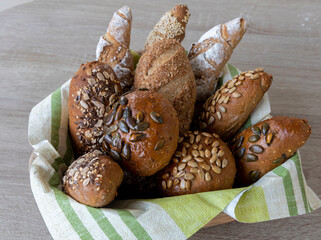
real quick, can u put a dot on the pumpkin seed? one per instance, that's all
(265, 128)
(123, 101)
(254, 176)
(120, 144)
(126, 151)
(131, 123)
(139, 117)
(240, 152)
(269, 138)
(142, 126)
(115, 155)
(113, 128)
(239, 142)
(254, 138)
(119, 113)
(284, 156)
(159, 144)
(109, 118)
(135, 137)
(250, 157)
(277, 161)
(156, 117)
(123, 126)
(127, 112)
(256, 149)
(108, 138)
(256, 130)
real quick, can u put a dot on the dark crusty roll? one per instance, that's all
(93, 179)
(202, 162)
(165, 68)
(266, 145)
(93, 90)
(142, 132)
(226, 111)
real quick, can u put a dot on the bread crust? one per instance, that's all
(227, 110)
(97, 95)
(93, 179)
(142, 132)
(165, 68)
(272, 141)
(202, 163)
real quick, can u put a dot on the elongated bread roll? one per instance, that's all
(171, 25)
(212, 51)
(113, 47)
(164, 68)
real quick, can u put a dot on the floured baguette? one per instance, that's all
(171, 25)
(113, 47)
(212, 51)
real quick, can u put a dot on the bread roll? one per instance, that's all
(92, 91)
(212, 51)
(165, 68)
(226, 111)
(142, 132)
(113, 47)
(172, 25)
(202, 162)
(266, 145)
(93, 179)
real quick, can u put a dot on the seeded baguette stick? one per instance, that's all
(266, 145)
(201, 163)
(113, 47)
(171, 25)
(226, 110)
(212, 51)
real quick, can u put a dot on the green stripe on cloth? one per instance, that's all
(252, 206)
(55, 117)
(295, 159)
(54, 180)
(233, 70)
(219, 82)
(104, 223)
(133, 224)
(288, 188)
(191, 212)
(70, 214)
(56, 163)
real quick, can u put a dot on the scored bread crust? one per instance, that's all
(226, 110)
(212, 51)
(171, 25)
(165, 68)
(272, 147)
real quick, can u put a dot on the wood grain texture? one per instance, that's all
(43, 43)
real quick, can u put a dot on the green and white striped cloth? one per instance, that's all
(281, 193)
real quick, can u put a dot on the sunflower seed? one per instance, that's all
(201, 173)
(159, 144)
(224, 163)
(174, 170)
(166, 175)
(277, 161)
(213, 159)
(195, 153)
(184, 151)
(215, 144)
(83, 104)
(259, 69)
(187, 158)
(265, 128)
(239, 142)
(88, 134)
(218, 163)
(193, 170)
(254, 175)
(226, 99)
(164, 185)
(256, 130)
(126, 151)
(181, 166)
(222, 109)
(142, 126)
(256, 149)
(210, 120)
(208, 153)
(219, 115)
(135, 137)
(216, 169)
(182, 185)
(100, 76)
(255, 76)
(269, 138)
(169, 183)
(250, 158)
(189, 176)
(139, 117)
(191, 139)
(220, 153)
(188, 185)
(205, 166)
(208, 176)
(192, 164)
(86, 182)
(176, 181)
(180, 174)
(254, 138)
(175, 160)
(240, 152)
(156, 117)
(199, 159)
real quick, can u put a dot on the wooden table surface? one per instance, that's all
(42, 44)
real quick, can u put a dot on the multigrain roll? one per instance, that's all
(165, 68)
(93, 90)
(226, 111)
(202, 163)
(266, 145)
(142, 132)
(93, 179)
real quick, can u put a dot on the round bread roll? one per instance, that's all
(164, 68)
(202, 163)
(142, 132)
(93, 90)
(93, 179)
(266, 145)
